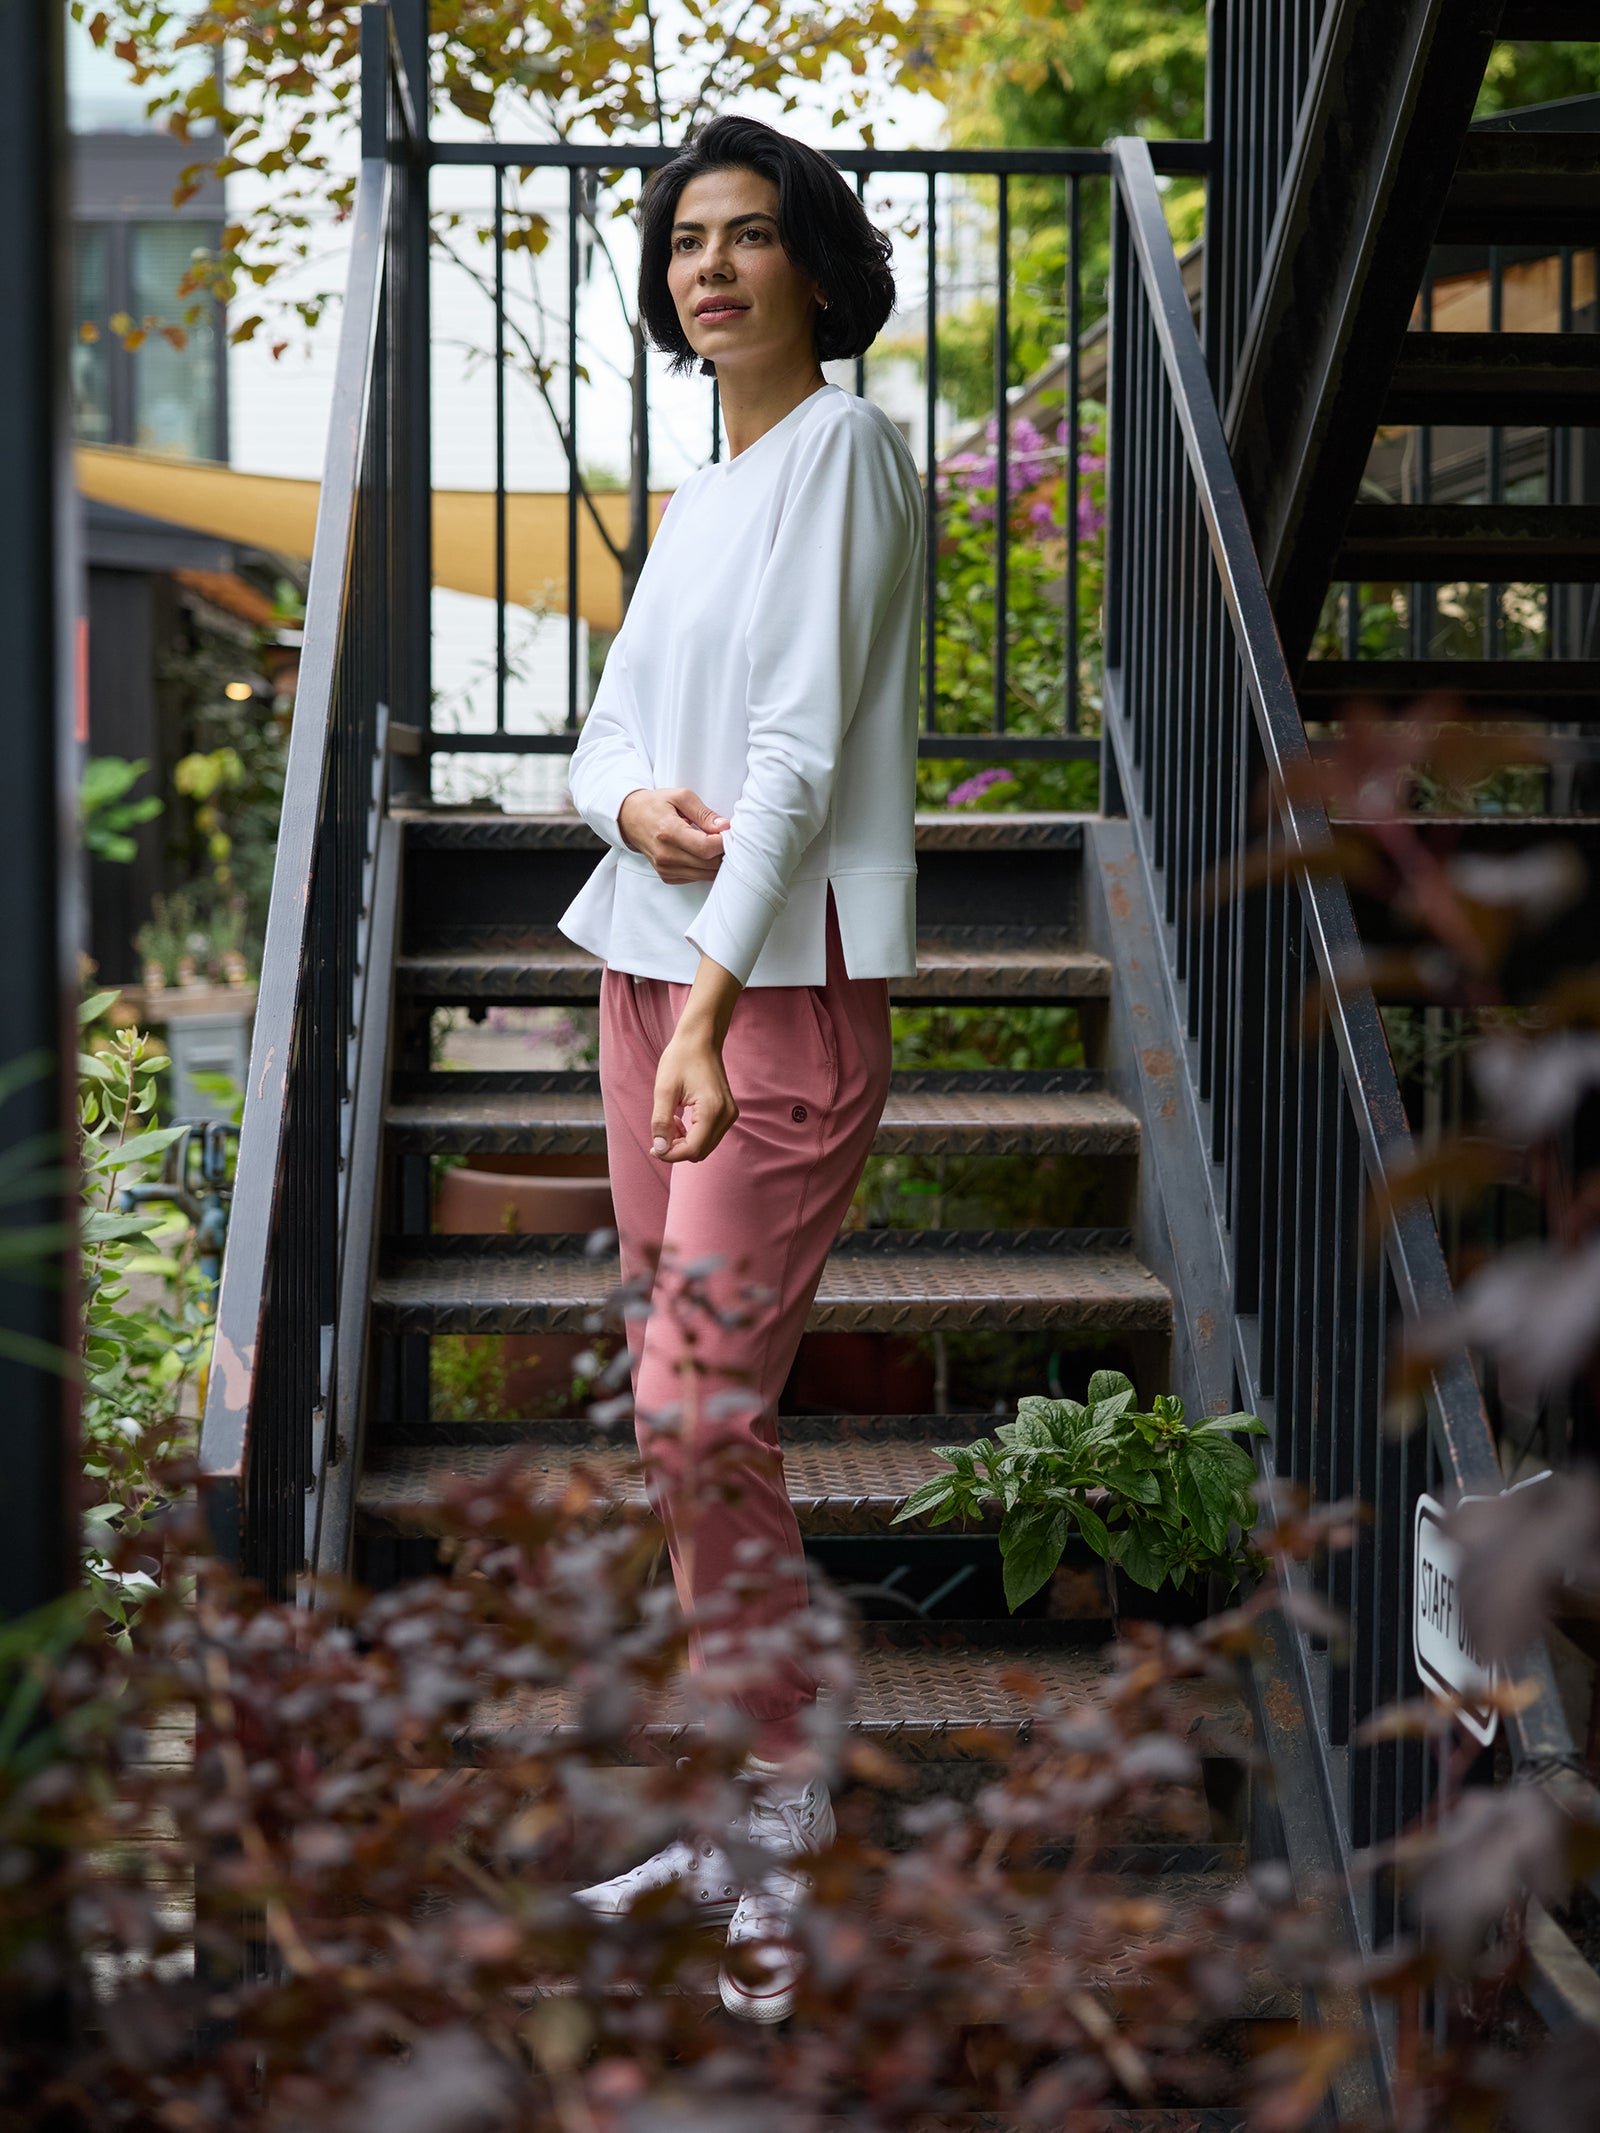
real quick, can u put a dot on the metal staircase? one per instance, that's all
(1239, 1099)
(998, 899)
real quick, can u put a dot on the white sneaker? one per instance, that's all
(762, 1983)
(702, 1872)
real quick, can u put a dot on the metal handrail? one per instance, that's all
(1270, 751)
(263, 1438)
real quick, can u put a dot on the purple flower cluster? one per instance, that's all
(975, 787)
(1032, 460)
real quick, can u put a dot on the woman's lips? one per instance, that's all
(710, 314)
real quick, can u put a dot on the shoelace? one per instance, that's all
(790, 1826)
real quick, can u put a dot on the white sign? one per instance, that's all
(1441, 1644)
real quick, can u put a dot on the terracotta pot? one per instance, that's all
(529, 1197)
(490, 1203)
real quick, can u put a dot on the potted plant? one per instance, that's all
(1167, 1503)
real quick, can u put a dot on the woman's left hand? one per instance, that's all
(694, 1105)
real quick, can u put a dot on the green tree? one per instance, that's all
(540, 69)
(1521, 72)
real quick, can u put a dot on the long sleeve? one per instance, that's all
(606, 764)
(843, 543)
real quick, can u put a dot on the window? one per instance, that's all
(174, 389)
(91, 349)
(158, 397)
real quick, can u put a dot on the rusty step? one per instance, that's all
(927, 1692)
(927, 1113)
(955, 964)
(874, 1281)
(847, 1474)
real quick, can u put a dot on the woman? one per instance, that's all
(750, 758)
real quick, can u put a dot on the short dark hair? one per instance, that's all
(821, 225)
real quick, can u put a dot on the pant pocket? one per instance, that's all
(829, 1036)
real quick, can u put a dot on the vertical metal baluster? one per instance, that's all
(1002, 468)
(930, 650)
(861, 361)
(639, 498)
(499, 452)
(1493, 620)
(1559, 483)
(1074, 417)
(1422, 595)
(574, 209)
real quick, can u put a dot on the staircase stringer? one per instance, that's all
(1387, 104)
(1180, 1233)
(332, 1527)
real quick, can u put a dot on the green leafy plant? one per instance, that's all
(146, 1328)
(1037, 648)
(1161, 1498)
(105, 812)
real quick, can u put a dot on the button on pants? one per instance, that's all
(733, 1248)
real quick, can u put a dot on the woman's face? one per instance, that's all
(741, 300)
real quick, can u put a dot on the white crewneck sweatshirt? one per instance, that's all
(769, 661)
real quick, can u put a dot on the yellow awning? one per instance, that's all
(268, 511)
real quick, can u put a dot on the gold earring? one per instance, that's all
(822, 303)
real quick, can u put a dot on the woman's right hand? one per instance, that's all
(675, 830)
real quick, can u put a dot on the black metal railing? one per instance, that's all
(1262, 59)
(577, 186)
(265, 1441)
(1285, 1049)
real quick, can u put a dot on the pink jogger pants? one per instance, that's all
(809, 1070)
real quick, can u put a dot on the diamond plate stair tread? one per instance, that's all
(954, 964)
(433, 829)
(901, 1287)
(952, 1121)
(919, 1694)
(852, 1486)
(1174, 1909)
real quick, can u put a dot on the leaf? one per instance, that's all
(144, 1145)
(1214, 1478)
(962, 1456)
(1137, 1550)
(1106, 1412)
(1091, 1525)
(101, 1228)
(1029, 1433)
(925, 1499)
(1031, 1546)
(1214, 1425)
(1107, 1385)
(1140, 1484)
(1064, 1419)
